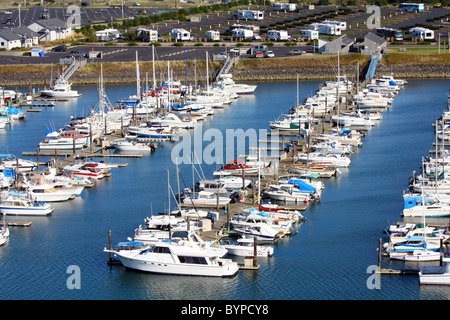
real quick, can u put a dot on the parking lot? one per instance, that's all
(356, 27)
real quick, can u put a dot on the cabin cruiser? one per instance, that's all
(228, 84)
(61, 89)
(55, 141)
(13, 203)
(188, 255)
(244, 247)
(174, 121)
(317, 158)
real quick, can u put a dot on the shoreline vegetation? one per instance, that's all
(315, 67)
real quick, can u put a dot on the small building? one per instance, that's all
(9, 39)
(420, 33)
(371, 44)
(343, 44)
(51, 29)
(37, 52)
(213, 35)
(180, 35)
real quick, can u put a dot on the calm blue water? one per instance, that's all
(327, 259)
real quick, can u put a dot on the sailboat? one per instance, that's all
(421, 254)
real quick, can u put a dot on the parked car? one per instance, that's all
(270, 54)
(59, 49)
(234, 50)
(136, 4)
(296, 51)
(78, 54)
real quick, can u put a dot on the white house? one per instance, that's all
(421, 33)
(180, 34)
(213, 35)
(9, 39)
(51, 29)
(29, 38)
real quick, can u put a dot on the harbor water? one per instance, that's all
(329, 258)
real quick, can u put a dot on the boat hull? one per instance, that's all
(227, 269)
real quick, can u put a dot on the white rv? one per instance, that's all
(107, 34)
(284, 6)
(277, 35)
(310, 34)
(341, 24)
(242, 34)
(213, 35)
(146, 35)
(250, 14)
(421, 33)
(180, 34)
(328, 29)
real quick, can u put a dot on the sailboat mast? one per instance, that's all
(138, 80)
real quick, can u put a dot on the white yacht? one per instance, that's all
(228, 84)
(61, 89)
(180, 256)
(244, 247)
(15, 204)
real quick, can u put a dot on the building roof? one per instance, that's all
(8, 35)
(52, 24)
(24, 32)
(373, 37)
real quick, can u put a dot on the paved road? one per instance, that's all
(123, 54)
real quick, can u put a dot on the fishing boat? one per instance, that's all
(61, 89)
(18, 205)
(245, 247)
(435, 275)
(180, 256)
(54, 141)
(127, 145)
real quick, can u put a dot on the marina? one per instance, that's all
(355, 206)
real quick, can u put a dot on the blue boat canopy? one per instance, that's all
(302, 185)
(410, 202)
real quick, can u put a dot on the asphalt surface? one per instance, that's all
(214, 21)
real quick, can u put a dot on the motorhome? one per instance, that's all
(242, 34)
(277, 35)
(284, 6)
(327, 29)
(146, 35)
(180, 34)
(310, 34)
(341, 24)
(213, 35)
(389, 33)
(249, 15)
(421, 33)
